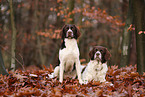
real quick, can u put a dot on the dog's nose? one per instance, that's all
(69, 32)
(97, 54)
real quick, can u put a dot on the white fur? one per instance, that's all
(95, 71)
(68, 56)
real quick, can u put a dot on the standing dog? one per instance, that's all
(68, 54)
(97, 67)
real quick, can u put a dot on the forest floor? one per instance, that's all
(33, 83)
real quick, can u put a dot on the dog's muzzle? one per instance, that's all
(98, 56)
(69, 33)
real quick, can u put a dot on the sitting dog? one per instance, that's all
(97, 67)
(68, 55)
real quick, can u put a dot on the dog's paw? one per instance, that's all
(60, 81)
(51, 75)
(85, 82)
(82, 82)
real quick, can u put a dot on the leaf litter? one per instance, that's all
(125, 81)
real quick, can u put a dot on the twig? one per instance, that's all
(22, 61)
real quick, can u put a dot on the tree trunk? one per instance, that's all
(38, 37)
(1, 20)
(139, 17)
(126, 38)
(59, 21)
(2, 66)
(13, 45)
(70, 5)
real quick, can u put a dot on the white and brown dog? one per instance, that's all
(97, 67)
(68, 55)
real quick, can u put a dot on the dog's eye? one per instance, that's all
(101, 50)
(67, 28)
(72, 28)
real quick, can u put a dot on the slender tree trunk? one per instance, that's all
(38, 38)
(127, 38)
(81, 14)
(70, 5)
(139, 17)
(2, 66)
(83, 40)
(1, 20)
(13, 46)
(59, 21)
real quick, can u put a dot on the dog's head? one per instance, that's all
(100, 53)
(70, 31)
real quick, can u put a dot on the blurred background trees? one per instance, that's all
(39, 22)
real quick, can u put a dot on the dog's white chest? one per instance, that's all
(71, 51)
(93, 67)
(95, 71)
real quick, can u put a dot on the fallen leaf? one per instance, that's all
(20, 77)
(33, 75)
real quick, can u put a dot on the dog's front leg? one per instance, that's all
(78, 69)
(102, 73)
(61, 72)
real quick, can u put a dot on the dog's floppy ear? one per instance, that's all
(91, 54)
(107, 54)
(77, 31)
(62, 33)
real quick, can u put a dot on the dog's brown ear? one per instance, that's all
(77, 31)
(107, 55)
(62, 33)
(91, 54)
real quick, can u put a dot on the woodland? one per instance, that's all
(30, 42)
